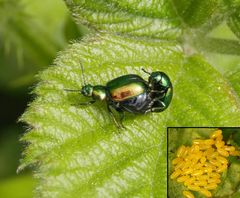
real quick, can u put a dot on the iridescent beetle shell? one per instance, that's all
(131, 93)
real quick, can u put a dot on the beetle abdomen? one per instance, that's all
(138, 104)
(126, 87)
(126, 92)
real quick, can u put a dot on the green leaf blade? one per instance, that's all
(79, 151)
(195, 13)
(156, 20)
(160, 19)
(233, 17)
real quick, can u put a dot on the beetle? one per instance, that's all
(131, 93)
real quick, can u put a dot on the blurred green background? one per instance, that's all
(31, 34)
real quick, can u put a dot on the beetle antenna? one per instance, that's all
(83, 77)
(72, 90)
(146, 71)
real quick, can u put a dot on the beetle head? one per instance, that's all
(87, 90)
(159, 79)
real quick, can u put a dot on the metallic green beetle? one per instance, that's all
(131, 93)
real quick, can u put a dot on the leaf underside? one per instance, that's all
(77, 150)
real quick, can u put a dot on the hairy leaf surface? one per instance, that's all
(78, 149)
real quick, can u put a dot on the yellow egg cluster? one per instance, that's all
(199, 166)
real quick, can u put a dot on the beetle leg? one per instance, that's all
(119, 125)
(156, 91)
(157, 109)
(121, 115)
(86, 103)
(159, 94)
(156, 106)
(146, 71)
(162, 92)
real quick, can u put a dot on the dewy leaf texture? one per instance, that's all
(77, 150)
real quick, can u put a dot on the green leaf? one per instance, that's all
(234, 17)
(234, 78)
(191, 12)
(157, 20)
(79, 151)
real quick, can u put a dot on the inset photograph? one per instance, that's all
(203, 162)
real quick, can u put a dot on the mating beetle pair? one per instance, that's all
(131, 93)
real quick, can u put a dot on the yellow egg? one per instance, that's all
(222, 160)
(208, 152)
(204, 146)
(219, 138)
(223, 152)
(214, 162)
(188, 194)
(175, 174)
(216, 134)
(229, 148)
(201, 183)
(198, 166)
(182, 179)
(198, 141)
(222, 168)
(215, 175)
(219, 144)
(190, 181)
(203, 160)
(206, 192)
(187, 171)
(213, 155)
(180, 151)
(209, 142)
(194, 187)
(194, 148)
(203, 177)
(185, 151)
(179, 165)
(197, 173)
(235, 153)
(211, 186)
(207, 169)
(177, 160)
